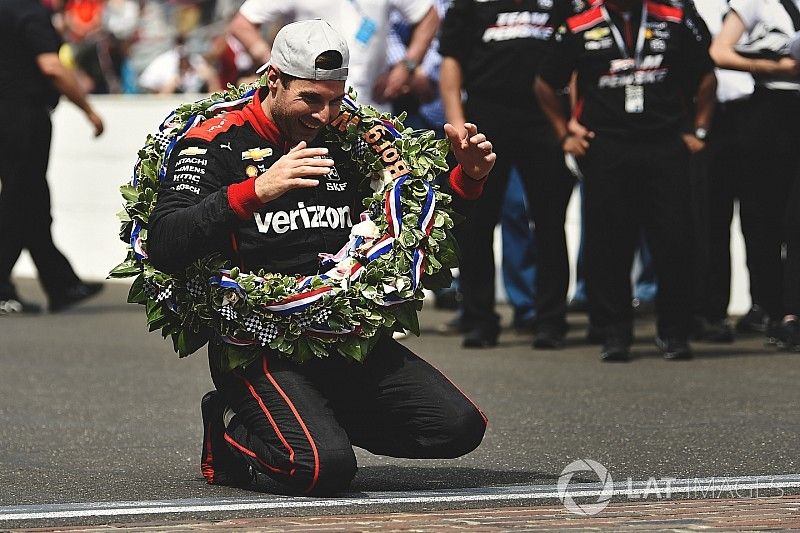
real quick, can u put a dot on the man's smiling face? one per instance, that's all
(301, 108)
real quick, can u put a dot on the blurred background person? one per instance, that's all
(772, 141)
(31, 80)
(179, 71)
(491, 51)
(634, 154)
(365, 25)
(725, 172)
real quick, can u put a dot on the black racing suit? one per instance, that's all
(297, 423)
(636, 167)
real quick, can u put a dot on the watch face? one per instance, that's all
(701, 133)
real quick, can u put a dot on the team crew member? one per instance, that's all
(728, 170)
(637, 61)
(493, 50)
(31, 80)
(260, 178)
(773, 140)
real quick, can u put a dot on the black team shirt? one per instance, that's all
(619, 94)
(500, 45)
(25, 32)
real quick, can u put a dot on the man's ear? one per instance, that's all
(273, 78)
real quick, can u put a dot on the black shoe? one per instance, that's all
(218, 463)
(14, 305)
(717, 331)
(755, 321)
(72, 295)
(481, 337)
(616, 349)
(674, 348)
(774, 333)
(788, 338)
(549, 337)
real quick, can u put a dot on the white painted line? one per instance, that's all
(701, 488)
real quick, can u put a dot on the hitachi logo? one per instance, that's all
(312, 216)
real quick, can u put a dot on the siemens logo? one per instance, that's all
(312, 216)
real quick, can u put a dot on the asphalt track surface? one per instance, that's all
(95, 409)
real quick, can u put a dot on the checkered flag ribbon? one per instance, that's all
(267, 334)
(162, 139)
(228, 312)
(305, 321)
(253, 324)
(195, 288)
(361, 148)
(150, 288)
(165, 294)
(322, 316)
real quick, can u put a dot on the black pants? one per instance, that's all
(727, 169)
(774, 159)
(298, 423)
(629, 185)
(25, 199)
(791, 294)
(531, 148)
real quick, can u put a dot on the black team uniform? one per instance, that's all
(296, 423)
(633, 87)
(499, 46)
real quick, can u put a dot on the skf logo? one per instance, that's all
(192, 150)
(336, 186)
(256, 154)
(596, 34)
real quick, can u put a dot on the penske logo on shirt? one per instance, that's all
(519, 25)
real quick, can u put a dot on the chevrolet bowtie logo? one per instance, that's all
(256, 154)
(193, 150)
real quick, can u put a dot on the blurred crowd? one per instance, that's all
(149, 46)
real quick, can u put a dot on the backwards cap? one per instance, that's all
(297, 46)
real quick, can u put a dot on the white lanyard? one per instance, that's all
(623, 49)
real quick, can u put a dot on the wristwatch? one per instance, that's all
(410, 64)
(701, 133)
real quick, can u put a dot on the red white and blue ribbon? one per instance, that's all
(297, 302)
(394, 208)
(426, 225)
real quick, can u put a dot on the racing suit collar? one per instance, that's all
(263, 125)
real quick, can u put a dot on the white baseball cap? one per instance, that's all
(297, 46)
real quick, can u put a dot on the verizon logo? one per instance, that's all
(312, 216)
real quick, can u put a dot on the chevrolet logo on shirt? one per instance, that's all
(256, 154)
(193, 150)
(596, 34)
